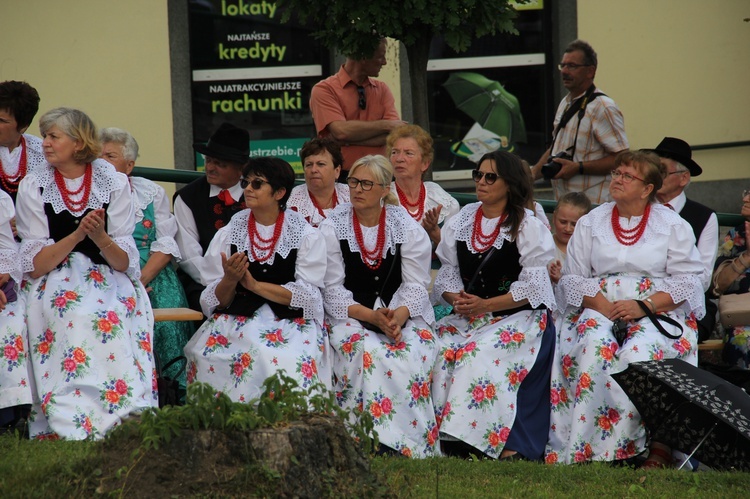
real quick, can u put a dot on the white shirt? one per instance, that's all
(708, 242)
(665, 253)
(187, 234)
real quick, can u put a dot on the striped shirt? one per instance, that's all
(601, 132)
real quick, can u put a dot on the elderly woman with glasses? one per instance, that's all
(628, 261)
(378, 311)
(263, 302)
(491, 378)
(322, 161)
(732, 276)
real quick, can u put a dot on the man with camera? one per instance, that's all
(588, 131)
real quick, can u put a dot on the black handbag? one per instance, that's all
(620, 327)
(169, 388)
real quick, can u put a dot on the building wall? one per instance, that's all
(677, 68)
(109, 58)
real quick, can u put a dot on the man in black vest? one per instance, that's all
(676, 156)
(207, 204)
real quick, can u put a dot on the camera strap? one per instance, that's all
(655, 318)
(578, 107)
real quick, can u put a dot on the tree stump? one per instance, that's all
(314, 457)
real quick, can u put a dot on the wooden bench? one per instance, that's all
(709, 345)
(176, 314)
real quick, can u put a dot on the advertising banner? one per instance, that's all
(250, 70)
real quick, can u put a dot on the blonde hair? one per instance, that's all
(381, 169)
(76, 125)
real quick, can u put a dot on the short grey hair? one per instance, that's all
(120, 136)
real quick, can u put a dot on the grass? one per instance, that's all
(64, 469)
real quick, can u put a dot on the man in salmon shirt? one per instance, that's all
(354, 109)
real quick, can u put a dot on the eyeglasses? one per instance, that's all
(745, 193)
(570, 65)
(255, 183)
(489, 177)
(366, 185)
(625, 177)
(362, 99)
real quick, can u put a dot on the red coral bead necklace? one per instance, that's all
(10, 185)
(372, 258)
(334, 202)
(262, 244)
(66, 194)
(416, 210)
(480, 241)
(629, 237)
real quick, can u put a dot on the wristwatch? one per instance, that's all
(580, 168)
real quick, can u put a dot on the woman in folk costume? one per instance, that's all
(321, 161)
(263, 302)
(491, 379)
(15, 389)
(627, 259)
(378, 311)
(89, 318)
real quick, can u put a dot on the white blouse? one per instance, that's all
(144, 193)
(666, 252)
(401, 229)
(296, 233)
(34, 156)
(535, 247)
(8, 245)
(301, 202)
(107, 186)
(434, 196)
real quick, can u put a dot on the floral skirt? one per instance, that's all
(15, 386)
(592, 417)
(235, 354)
(389, 380)
(737, 347)
(90, 346)
(481, 367)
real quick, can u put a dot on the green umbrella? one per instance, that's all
(488, 103)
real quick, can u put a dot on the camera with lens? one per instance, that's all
(552, 168)
(620, 331)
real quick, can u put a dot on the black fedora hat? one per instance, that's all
(678, 150)
(228, 142)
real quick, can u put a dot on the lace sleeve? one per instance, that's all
(309, 276)
(121, 224)
(415, 277)
(536, 248)
(31, 222)
(448, 279)
(208, 299)
(166, 226)
(8, 247)
(336, 298)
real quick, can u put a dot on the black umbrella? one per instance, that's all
(691, 410)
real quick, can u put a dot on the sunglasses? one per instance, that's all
(489, 177)
(362, 99)
(255, 183)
